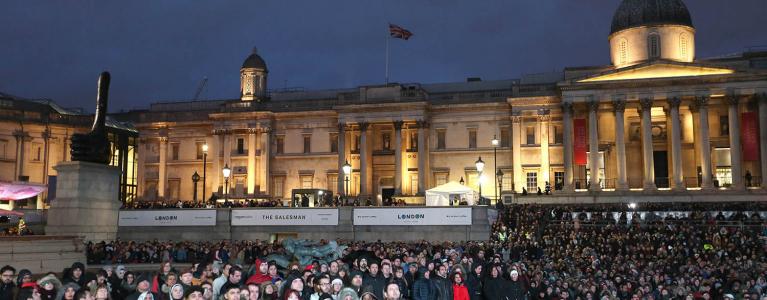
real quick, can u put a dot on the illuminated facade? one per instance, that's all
(35, 137)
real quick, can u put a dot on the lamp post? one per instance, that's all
(499, 179)
(204, 168)
(495, 143)
(347, 170)
(461, 181)
(480, 167)
(226, 172)
(195, 179)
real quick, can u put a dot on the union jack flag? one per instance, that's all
(399, 32)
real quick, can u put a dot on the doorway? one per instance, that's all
(660, 161)
(387, 195)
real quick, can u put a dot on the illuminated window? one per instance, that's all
(332, 182)
(413, 184)
(532, 181)
(683, 45)
(440, 179)
(623, 56)
(279, 186)
(654, 45)
(306, 181)
(724, 176)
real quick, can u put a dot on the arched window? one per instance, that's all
(653, 43)
(623, 51)
(684, 44)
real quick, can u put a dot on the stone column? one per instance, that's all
(567, 147)
(162, 180)
(701, 105)
(676, 144)
(140, 166)
(21, 137)
(516, 152)
(252, 161)
(619, 107)
(647, 155)
(594, 146)
(264, 160)
(736, 161)
(341, 158)
(422, 156)
(398, 157)
(214, 156)
(544, 119)
(762, 100)
(364, 158)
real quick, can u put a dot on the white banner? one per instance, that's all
(283, 217)
(186, 217)
(413, 216)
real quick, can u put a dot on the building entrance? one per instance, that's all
(660, 161)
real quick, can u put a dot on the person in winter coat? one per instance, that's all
(49, 287)
(494, 285)
(443, 286)
(67, 292)
(262, 273)
(375, 280)
(75, 274)
(422, 288)
(460, 292)
(7, 286)
(474, 282)
(348, 294)
(515, 289)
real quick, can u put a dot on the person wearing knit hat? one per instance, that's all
(347, 294)
(368, 294)
(67, 291)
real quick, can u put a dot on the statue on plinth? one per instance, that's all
(94, 145)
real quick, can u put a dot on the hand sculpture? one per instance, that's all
(94, 145)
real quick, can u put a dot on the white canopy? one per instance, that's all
(441, 195)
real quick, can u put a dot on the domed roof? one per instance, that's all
(634, 13)
(254, 61)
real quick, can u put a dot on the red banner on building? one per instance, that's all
(580, 145)
(750, 136)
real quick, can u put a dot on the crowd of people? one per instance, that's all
(303, 201)
(536, 252)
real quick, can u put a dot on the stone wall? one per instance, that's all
(41, 254)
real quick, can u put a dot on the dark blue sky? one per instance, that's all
(160, 50)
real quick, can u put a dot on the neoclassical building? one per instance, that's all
(656, 121)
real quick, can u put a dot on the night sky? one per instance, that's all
(160, 50)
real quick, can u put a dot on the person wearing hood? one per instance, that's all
(347, 294)
(75, 274)
(24, 276)
(7, 286)
(115, 281)
(176, 292)
(126, 287)
(423, 288)
(262, 273)
(474, 282)
(67, 291)
(49, 286)
(368, 294)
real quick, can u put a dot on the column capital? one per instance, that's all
(567, 107)
(619, 105)
(163, 139)
(19, 133)
(266, 129)
(700, 102)
(731, 99)
(544, 118)
(253, 130)
(646, 103)
(593, 105)
(398, 124)
(516, 118)
(363, 126)
(674, 102)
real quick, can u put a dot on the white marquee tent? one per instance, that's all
(441, 195)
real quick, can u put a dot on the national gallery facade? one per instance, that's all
(656, 122)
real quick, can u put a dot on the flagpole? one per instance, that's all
(386, 78)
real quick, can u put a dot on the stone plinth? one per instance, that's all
(41, 254)
(87, 201)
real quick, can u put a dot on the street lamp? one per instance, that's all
(204, 168)
(461, 181)
(495, 143)
(480, 166)
(499, 179)
(347, 170)
(195, 179)
(226, 172)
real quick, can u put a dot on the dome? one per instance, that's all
(635, 13)
(254, 61)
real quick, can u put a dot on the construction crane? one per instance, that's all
(200, 88)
